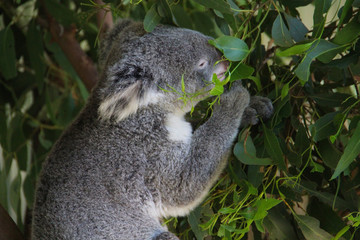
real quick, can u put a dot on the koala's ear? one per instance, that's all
(127, 88)
(123, 31)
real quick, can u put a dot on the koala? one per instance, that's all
(130, 158)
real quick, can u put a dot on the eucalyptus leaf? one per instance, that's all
(323, 127)
(217, 90)
(152, 19)
(181, 17)
(245, 152)
(278, 225)
(294, 50)
(263, 205)
(8, 55)
(36, 52)
(233, 48)
(347, 34)
(273, 148)
(352, 150)
(194, 221)
(219, 5)
(241, 71)
(318, 48)
(310, 227)
(297, 29)
(280, 33)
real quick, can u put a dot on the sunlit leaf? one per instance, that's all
(217, 90)
(294, 50)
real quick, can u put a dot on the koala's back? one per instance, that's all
(93, 182)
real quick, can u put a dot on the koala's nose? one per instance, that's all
(220, 69)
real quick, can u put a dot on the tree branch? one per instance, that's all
(66, 39)
(83, 65)
(104, 18)
(8, 229)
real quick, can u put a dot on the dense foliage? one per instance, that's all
(295, 176)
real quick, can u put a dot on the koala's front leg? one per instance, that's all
(211, 144)
(258, 107)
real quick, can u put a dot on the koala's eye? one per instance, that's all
(202, 63)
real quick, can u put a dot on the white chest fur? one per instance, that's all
(178, 128)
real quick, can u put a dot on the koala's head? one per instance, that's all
(141, 68)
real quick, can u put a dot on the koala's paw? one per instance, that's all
(258, 107)
(166, 236)
(235, 98)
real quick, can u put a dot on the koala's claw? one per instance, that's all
(258, 107)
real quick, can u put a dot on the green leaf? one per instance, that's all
(348, 34)
(152, 19)
(325, 197)
(280, 33)
(352, 150)
(296, 27)
(356, 3)
(263, 205)
(284, 91)
(219, 5)
(310, 227)
(241, 71)
(330, 155)
(294, 50)
(295, 3)
(318, 48)
(3, 188)
(217, 90)
(61, 12)
(341, 232)
(233, 48)
(227, 210)
(194, 221)
(273, 148)
(63, 61)
(332, 99)
(321, 7)
(223, 25)
(14, 193)
(181, 17)
(245, 152)
(344, 11)
(35, 49)
(278, 225)
(323, 127)
(8, 55)
(164, 10)
(316, 167)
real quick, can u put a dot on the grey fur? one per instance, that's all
(124, 164)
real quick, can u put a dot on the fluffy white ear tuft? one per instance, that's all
(122, 104)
